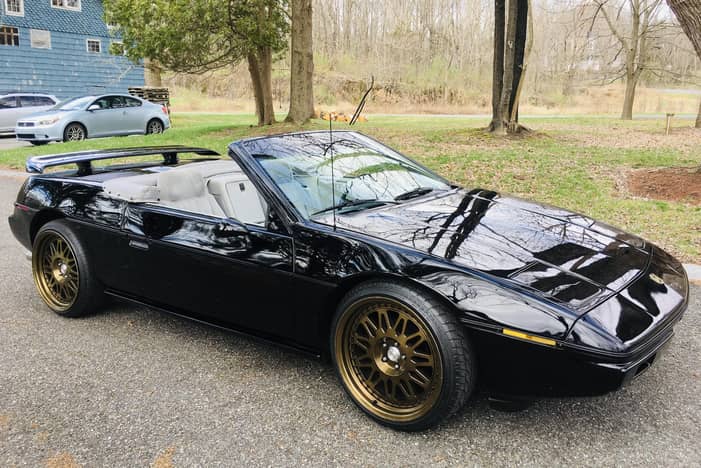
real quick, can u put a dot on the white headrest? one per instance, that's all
(180, 185)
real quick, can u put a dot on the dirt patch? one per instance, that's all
(62, 460)
(165, 459)
(674, 184)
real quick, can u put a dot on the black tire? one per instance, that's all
(74, 132)
(454, 383)
(154, 126)
(88, 295)
(38, 143)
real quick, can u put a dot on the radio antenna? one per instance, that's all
(333, 177)
(353, 120)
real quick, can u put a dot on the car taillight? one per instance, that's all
(164, 109)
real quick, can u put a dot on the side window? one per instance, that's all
(27, 101)
(118, 102)
(103, 103)
(131, 102)
(8, 102)
(45, 101)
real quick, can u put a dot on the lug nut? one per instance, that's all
(396, 366)
(384, 358)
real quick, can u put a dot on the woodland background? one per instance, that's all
(435, 56)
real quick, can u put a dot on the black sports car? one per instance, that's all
(337, 245)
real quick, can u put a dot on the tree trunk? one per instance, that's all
(629, 98)
(509, 58)
(302, 63)
(260, 69)
(688, 13)
(520, 53)
(152, 73)
(497, 124)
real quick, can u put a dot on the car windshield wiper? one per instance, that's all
(417, 192)
(358, 204)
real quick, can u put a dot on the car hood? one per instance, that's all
(42, 115)
(563, 256)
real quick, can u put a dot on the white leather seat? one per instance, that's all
(185, 190)
(238, 197)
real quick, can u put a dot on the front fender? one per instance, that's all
(487, 305)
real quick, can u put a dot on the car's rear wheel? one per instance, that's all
(75, 132)
(37, 142)
(154, 126)
(401, 356)
(62, 273)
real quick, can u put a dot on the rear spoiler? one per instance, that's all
(83, 159)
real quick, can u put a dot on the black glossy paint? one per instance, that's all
(498, 262)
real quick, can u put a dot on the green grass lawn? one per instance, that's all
(576, 163)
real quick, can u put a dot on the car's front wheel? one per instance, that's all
(75, 132)
(154, 126)
(62, 273)
(401, 355)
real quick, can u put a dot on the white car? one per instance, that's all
(94, 117)
(17, 105)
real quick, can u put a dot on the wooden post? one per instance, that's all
(669, 123)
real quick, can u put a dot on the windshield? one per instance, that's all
(366, 173)
(75, 103)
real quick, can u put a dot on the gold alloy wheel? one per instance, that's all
(388, 359)
(55, 272)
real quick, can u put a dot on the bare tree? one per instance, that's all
(688, 12)
(302, 63)
(635, 35)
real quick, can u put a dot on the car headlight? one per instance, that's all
(49, 121)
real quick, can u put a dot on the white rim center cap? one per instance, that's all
(393, 354)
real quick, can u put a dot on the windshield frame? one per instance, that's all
(240, 150)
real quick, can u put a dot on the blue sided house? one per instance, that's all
(61, 47)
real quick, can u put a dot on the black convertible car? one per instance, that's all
(335, 244)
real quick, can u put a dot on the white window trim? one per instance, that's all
(87, 47)
(14, 13)
(78, 8)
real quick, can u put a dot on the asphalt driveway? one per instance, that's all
(9, 142)
(131, 386)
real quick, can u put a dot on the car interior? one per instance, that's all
(214, 188)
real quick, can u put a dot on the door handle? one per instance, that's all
(141, 245)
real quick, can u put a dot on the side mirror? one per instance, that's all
(93, 107)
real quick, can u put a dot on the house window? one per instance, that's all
(117, 48)
(14, 7)
(94, 46)
(66, 4)
(40, 39)
(9, 36)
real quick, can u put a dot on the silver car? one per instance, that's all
(94, 117)
(17, 105)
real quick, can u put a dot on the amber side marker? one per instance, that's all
(526, 336)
